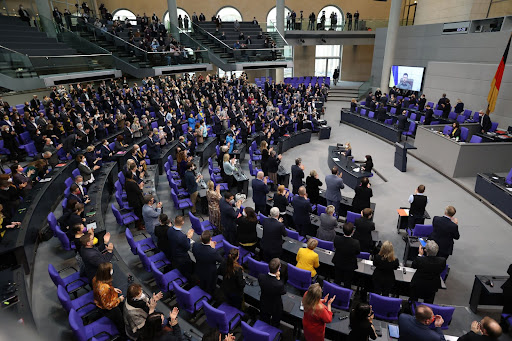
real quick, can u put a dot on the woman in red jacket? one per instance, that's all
(316, 314)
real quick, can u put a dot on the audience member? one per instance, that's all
(233, 282)
(417, 328)
(273, 233)
(316, 313)
(213, 197)
(301, 212)
(426, 280)
(297, 175)
(155, 328)
(385, 264)
(361, 323)
(137, 307)
(246, 229)
(418, 202)
(327, 225)
(93, 257)
(228, 215)
(445, 231)
(179, 243)
(135, 198)
(150, 215)
(272, 288)
(206, 262)
(363, 194)
(345, 256)
(364, 228)
(307, 258)
(487, 329)
(313, 187)
(334, 184)
(259, 193)
(191, 181)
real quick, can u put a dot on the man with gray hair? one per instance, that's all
(150, 215)
(259, 193)
(427, 279)
(273, 233)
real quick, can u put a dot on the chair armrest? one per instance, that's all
(199, 300)
(176, 279)
(141, 245)
(139, 234)
(85, 305)
(66, 268)
(234, 317)
(150, 250)
(77, 280)
(101, 333)
(159, 261)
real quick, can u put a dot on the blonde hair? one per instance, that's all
(353, 100)
(89, 149)
(349, 146)
(280, 189)
(211, 185)
(313, 173)
(263, 145)
(312, 297)
(330, 209)
(225, 158)
(312, 243)
(387, 251)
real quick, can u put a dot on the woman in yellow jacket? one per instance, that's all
(307, 259)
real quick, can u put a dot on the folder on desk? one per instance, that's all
(403, 212)
(394, 332)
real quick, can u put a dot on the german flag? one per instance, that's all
(496, 82)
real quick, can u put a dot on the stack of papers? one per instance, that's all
(335, 159)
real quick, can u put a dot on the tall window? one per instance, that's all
(271, 18)
(327, 58)
(229, 14)
(122, 14)
(181, 12)
(334, 18)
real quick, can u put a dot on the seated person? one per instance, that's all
(455, 133)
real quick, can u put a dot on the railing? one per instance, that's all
(364, 89)
(248, 54)
(343, 25)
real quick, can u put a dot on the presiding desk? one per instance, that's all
(294, 139)
(352, 173)
(485, 294)
(494, 189)
(460, 159)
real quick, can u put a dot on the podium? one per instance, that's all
(401, 155)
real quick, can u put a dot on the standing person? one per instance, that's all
(312, 20)
(361, 323)
(213, 196)
(364, 228)
(272, 288)
(313, 187)
(273, 232)
(265, 154)
(156, 330)
(24, 15)
(150, 215)
(327, 225)
(93, 257)
(367, 166)
(507, 298)
(445, 231)
(273, 166)
(345, 256)
(426, 280)
(385, 264)
(307, 258)
(316, 313)
(246, 229)
(137, 307)
(108, 298)
(228, 215)
(233, 282)
(259, 193)
(301, 211)
(418, 327)
(281, 199)
(485, 330)
(334, 184)
(229, 169)
(336, 75)
(206, 262)
(135, 198)
(356, 21)
(191, 181)
(349, 20)
(179, 243)
(485, 121)
(418, 202)
(363, 194)
(297, 175)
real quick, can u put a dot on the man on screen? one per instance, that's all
(404, 84)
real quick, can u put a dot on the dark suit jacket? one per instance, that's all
(179, 243)
(445, 231)
(485, 121)
(227, 215)
(259, 192)
(92, 258)
(428, 270)
(455, 133)
(133, 194)
(105, 153)
(428, 117)
(345, 256)
(272, 239)
(301, 210)
(411, 329)
(382, 114)
(297, 176)
(271, 291)
(363, 233)
(206, 269)
(472, 336)
(401, 122)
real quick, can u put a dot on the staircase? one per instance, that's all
(343, 93)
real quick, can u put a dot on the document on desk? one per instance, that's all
(335, 159)
(92, 226)
(509, 189)
(45, 180)
(356, 169)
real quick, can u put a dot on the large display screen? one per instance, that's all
(406, 77)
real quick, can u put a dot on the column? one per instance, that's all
(173, 18)
(389, 49)
(280, 16)
(46, 17)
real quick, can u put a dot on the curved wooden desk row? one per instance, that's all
(285, 143)
(387, 132)
(352, 173)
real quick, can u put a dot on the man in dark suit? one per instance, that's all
(417, 328)
(259, 193)
(446, 229)
(301, 211)
(345, 256)
(273, 233)
(429, 113)
(272, 288)
(297, 175)
(179, 243)
(364, 228)
(418, 202)
(401, 123)
(35, 103)
(421, 102)
(382, 115)
(442, 101)
(228, 216)
(485, 330)
(485, 121)
(206, 262)
(92, 256)
(128, 133)
(426, 280)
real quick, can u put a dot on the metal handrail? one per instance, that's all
(275, 25)
(6, 48)
(211, 35)
(74, 55)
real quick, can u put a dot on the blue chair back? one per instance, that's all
(183, 298)
(385, 308)
(320, 209)
(146, 263)
(494, 126)
(216, 318)
(256, 268)
(298, 278)
(68, 182)
(352, 216)
(343, 295)
(292, 234)
(475, 139)
(196, 223)
(447, 129)
(77, 325)
(363, 255)
(120, 175)
(422, 230)
(64, 240)
(461, 118)
(464, 132)
(253, 334)
(227, 247)
(131, 241)
(508, 178)
(324, 244)
(452, 115)
(52, 222)
(75, 172)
